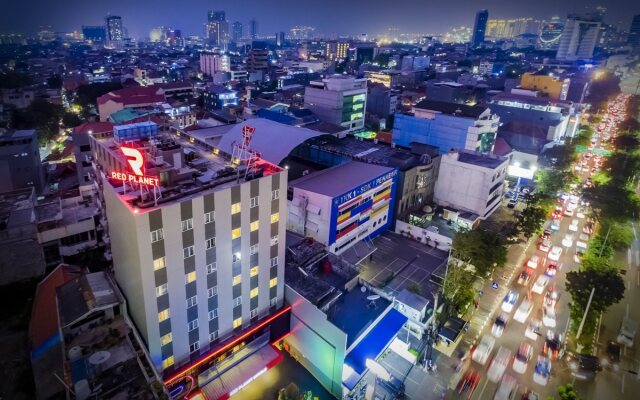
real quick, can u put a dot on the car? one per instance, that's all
(627, 332)
(544, 245)
(549, 317)
(573, 227)
(523, 311)
(557, 214)
(613, 355)
(567, 241)
(512, 203)
(541, 371)
(530, 395)
(568, 212)
(588, 228)
(540, 284)
(533, 261)
(522, 358)
(555, 253)
(508, 389)
(583, 237)
(482, 352)
(551, 270)
(509, 301)
(551, 298)
(499, 324)
(581, 245)
(583, 366)
(555, 226)
(524, 276)
(469, 382)
(533, 329)
(580, 213)
(552, 344)
(499, 364)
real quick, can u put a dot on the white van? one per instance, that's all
(627, 332)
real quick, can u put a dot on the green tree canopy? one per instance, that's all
(13, 80)
(608, 284)
(54, 82)
(531, 219)
(567, 392)
(481, 248)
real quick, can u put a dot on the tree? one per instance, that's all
(14, 80)
(613, 201)
(609, 288)
(483, 249)
(602, 88)
(87, 94)
(40, 115)
(567, 392)
(626, 143)
(458, 288)
(54, 82)
(70, 120)
(531, 220)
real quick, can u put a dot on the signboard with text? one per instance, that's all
(135, 160)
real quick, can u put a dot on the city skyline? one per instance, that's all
(329, 18)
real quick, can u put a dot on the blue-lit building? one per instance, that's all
(479, 28)
(94, 33)
(447, 126)
(217, 97)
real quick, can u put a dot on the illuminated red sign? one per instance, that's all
(135, 159)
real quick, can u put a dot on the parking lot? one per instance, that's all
(400, 263)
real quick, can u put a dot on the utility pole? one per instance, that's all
(604, 243)
(584, 317)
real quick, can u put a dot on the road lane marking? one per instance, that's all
(638, 282)
(622, 388)
(627, 314)
(629, 256)
(633, 227)
(483, 388)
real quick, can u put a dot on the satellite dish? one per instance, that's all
(363, 289)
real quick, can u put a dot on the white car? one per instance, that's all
(499, 364)
(540, 284)
(555, 253)
(533, 262)
(541, 371)
(522, 358)
(509, 301)
(522, 313)
(508, 389)
(573, 227)
(580, 214)
(549, 317)
(567, 241)
(499, 324)
(568, 212)
(483, 350)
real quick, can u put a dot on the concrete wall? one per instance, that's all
(421, 235)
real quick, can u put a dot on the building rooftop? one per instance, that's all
(16, 208)
(8, 135)
(456, 109)
(83, 294)
(479, 159)
(340, 179)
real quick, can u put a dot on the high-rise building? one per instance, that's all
(258, 60)
(253, 29)
(236, 31)
(634, 33)
(115, 31)
(212, 63)
(302, 32)
(200, 267)
(579, 38)
(549, 37)
(336, 50)
(338, 99)
(479, 27)
(96, 34)
(217, 29)
(279, 39)
(510, 28)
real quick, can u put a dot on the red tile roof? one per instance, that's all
(501, 147)
(44, 316)
(134, 95)
(94, 127)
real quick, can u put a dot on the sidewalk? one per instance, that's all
(489, 301)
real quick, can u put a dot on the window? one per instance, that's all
(213, 336)
(237, 301)
(213, 314)
(235, 233)
(275, 194)
(253, 293)
(195, 346)
(166, 339)
(187, 225)
(212, 291)
(208, 217)
(211, 268)
(158, 263)
(237, 323)
(273, 302)
(274, 261)
(235, 208)
(253, 202)
(273, 282)
(160, 290)
(275, 217)
(274, 240)
(237, 279)
(253, 271)
(163, 315)
(192, 301)
(253, 249)
(254, 313)
(255, 225)
(190, 277)
(157, 235)
(188, 252)
(211, 243)
(192, 325)
(236, 257)
(167, 362)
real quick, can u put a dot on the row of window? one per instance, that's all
(159, 263)
(213, 291)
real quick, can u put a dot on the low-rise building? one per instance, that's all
(555, 87)
(20, 165)
(338, 99)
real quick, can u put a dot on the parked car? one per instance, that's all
(482, 352)
(628, 331)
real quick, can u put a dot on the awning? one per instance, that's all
(376, 340)
(242, 374)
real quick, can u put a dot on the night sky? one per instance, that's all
(331, 17)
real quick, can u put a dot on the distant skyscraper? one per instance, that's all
(279, 39)
(578, 39)
(216, 16)
(479, 28)
(253, 29)
(634, 33)
(115, 32)
(217, 29)
(337, 50)
(302, 32)
(236, 31)
(550, 34)
(94, 33)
